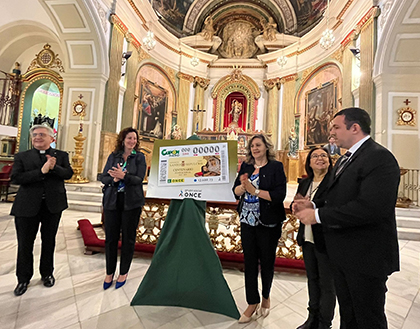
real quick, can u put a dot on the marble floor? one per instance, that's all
(77, 301)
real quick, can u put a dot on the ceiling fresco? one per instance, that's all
(186, 17)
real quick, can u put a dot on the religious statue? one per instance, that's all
(269, 29)
(177, 133)
(208, 31)
(293, 143)
(235, 111)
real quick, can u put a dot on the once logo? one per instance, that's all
(192, 195)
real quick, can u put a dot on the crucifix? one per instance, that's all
(197, 111)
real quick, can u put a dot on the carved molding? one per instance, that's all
(118, 24)
(102, 13)
(184, 76)
(385, 11)
(143, 55)
(202, 82)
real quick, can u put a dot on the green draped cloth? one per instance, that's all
(185, 269)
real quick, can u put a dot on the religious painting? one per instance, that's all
(242, 143)
(320, 108)
(152, 109)
(308, 13)
(172, 12)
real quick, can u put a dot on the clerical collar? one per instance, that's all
(44, 151)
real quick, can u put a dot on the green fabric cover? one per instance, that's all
(185, 269)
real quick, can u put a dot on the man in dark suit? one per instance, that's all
(358, 218)
(332, 147)
(41, 198)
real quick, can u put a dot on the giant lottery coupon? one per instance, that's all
(194, 164)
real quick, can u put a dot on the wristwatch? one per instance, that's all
(257, 192)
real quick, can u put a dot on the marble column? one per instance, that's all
(182, 106)
(130, 78)
(288, 120)
(110, 113)
(272, 116)
(367, 53)
(347, 97)
(200, 84)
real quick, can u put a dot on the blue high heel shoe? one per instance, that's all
(120, 284)
(108, 284)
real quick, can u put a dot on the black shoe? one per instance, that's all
(310, 323)
(21, 288)
(48, 281)
(322, 325)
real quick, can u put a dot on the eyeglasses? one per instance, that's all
(42, 135)
(316, 156)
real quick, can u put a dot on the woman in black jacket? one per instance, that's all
(318, 270)
(261, 188)
(122, 202)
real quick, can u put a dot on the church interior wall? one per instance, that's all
(82, 41)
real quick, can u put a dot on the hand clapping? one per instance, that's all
(116, 173)
(246, 184)
(49, 165)
(303, 209)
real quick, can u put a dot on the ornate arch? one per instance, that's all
(236, 81)
(30, 82)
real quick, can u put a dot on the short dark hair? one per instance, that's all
(122, 135)
(357, 115)
(308, 168)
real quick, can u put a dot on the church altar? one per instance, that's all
(222, 225)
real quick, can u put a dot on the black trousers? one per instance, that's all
(259, 244)
(361, 298)
(126, 222)
(321, 288)
(26, 230)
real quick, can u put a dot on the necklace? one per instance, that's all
(258, 167)
(312, 190)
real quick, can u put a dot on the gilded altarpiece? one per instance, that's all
(248, 94)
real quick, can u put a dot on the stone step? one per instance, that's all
(86, 206)
(84, 188)
(412, 234)
(408, 212)
(408, 222)
(84, 196)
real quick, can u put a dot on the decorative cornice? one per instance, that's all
(137, 11)
(133, 40)
(184, 76)
(288, 78)
(117, 22)
(242, 66)
(143, 55)
(202, 82)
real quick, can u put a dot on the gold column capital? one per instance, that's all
(118, 24)
(184, 76)
(202, 82)
(270, 83)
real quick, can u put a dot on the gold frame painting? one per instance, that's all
(320, 106)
